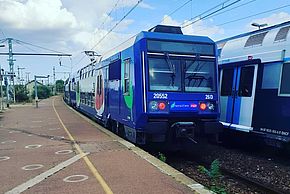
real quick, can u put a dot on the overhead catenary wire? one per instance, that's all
(100, 27)
(260, 13)
(3, 34)
(250, 16)
(177, 9)
(231, 9)
(23, 45)
(116, 24)
(109, 14)
(200, 17)
(139, 1)
(38, 46)
(170, 14)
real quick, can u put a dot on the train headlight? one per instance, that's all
(158, 106)
(202, 106)
(161, 105)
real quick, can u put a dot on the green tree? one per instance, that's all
(59, 84)
(42, 92)
(21, 93)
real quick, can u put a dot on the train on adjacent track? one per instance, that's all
(254, 73)
(162, 87)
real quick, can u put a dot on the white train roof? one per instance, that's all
(267, 44)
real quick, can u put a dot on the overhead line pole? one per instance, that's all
(11, 65)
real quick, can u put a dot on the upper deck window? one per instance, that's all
(180, 47)
(282, 34)
(256, 39)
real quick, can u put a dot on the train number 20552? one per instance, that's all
(159, 95)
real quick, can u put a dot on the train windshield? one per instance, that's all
(174, 72)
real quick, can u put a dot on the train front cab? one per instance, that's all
(180, 96)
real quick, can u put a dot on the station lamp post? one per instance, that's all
(35, 87)
(259, 25)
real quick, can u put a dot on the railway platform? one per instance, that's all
(54, 149)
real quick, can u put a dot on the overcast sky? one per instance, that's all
(72, 26)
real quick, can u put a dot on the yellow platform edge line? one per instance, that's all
(92, 168)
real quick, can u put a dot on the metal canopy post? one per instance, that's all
(35, 88)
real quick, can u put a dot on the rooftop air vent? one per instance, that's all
(166, 29)
(282, 34)
(256, 39)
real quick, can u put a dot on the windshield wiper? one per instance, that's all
(194, 76)
(171, 67)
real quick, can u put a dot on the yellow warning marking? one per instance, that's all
(92, 168)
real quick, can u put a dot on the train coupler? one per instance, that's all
(184, 130)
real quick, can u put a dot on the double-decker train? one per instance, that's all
(161, 88)
(255, 83)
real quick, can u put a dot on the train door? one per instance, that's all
(238, 86)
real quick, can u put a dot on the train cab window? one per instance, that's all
(199, 76)
(164, 75)
(246, 81)
(227, 82)
(127, 77)
(285, 80)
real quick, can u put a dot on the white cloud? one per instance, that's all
(200, 27)
(271, 20)
(167, 20)
(66, 25)
(36, 15)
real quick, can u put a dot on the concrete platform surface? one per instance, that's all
(53, 149)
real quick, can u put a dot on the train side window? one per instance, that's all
(227, 82)
(271, 76)
(101, 84)
(246, 81)
(98, 84)
(127, 76)
(94, 87)
(115, 70)
(284, 89)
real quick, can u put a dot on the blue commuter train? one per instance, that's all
(161, 87)
(255, 83)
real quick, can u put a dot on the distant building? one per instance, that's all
(30, 86)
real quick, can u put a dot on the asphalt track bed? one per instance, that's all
(103, 165)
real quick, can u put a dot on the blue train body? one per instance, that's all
(163, 86)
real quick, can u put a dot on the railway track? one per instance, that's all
(264, 188)
(242, 172)
(253, 186)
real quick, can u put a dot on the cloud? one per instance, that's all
(65, 25)
(271, 20)
(35, 15)
(167, 20)
(200, 27)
